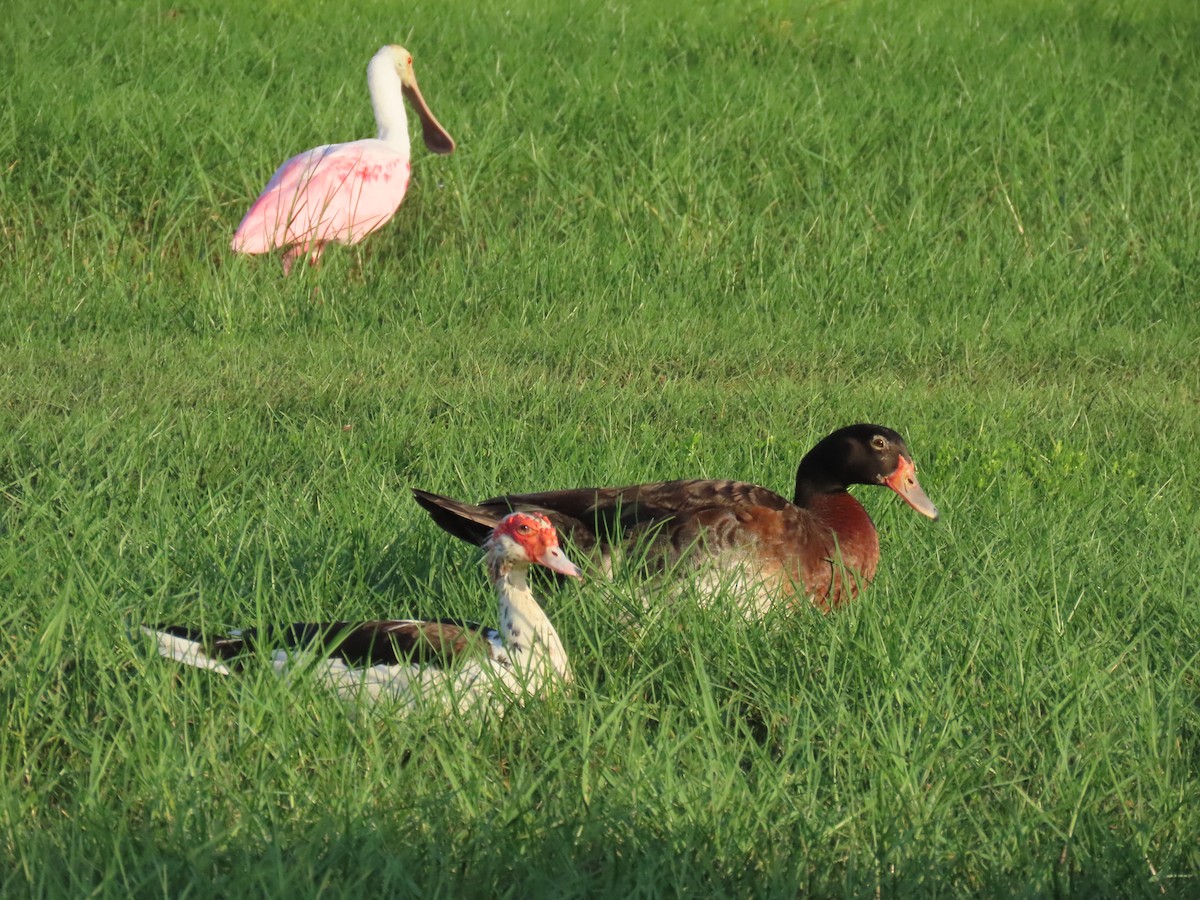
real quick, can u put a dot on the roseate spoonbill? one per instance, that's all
(343, 192)
(728, 534)
(412, 662)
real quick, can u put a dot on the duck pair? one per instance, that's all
(821, 547)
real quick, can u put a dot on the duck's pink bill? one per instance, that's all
(904, 482)
(554, 559)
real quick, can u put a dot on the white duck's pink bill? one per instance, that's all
(556, 561)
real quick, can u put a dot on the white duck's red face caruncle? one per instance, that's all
(530, 536)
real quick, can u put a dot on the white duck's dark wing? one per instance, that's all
(384, 642)
(442, 643)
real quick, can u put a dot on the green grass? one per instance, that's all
(670, 244)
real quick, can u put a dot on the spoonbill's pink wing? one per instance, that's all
(339, 192)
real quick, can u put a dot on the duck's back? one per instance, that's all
(736, 529)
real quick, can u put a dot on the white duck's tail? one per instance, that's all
(189, 648)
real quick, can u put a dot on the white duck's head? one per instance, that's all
(522, 539)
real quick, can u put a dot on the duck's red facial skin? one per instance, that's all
(904, 482)
(537, 537)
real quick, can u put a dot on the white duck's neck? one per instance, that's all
(387, 99)
(533, 644)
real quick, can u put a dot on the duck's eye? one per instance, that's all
(879, 442)
(524, 529)
(410, 60)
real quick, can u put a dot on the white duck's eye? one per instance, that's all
(523, 528)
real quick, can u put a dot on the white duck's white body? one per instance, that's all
(412, 662)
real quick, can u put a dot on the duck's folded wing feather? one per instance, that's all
(383, 642)
(663, 519)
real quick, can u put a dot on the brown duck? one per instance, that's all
(729, 535)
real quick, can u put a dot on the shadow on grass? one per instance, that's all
(605, 850)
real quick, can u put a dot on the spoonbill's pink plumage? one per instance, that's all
(343, 192)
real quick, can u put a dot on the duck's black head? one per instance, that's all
(861, 454)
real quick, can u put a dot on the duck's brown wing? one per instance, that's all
(470, 522)
(662, 519)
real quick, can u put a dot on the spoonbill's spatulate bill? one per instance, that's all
(343, 192)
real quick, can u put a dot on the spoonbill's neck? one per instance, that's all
(533, 644)
(387, 99)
